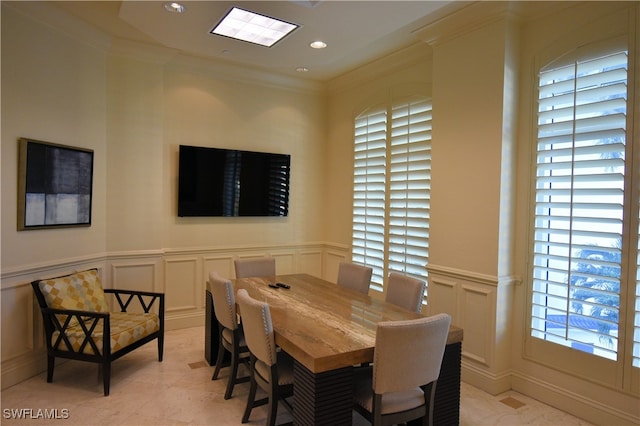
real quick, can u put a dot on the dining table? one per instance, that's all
(329, 331)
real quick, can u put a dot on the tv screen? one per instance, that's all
(228, 182)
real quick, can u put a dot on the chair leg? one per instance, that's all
(51, 363)
(273, 403)
(232, 374)
(160, 347)
(250, 400)
(219, 358)
(429, 396)
(252, 393)
(106, 376)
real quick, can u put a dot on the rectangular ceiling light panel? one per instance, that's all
(252, 27)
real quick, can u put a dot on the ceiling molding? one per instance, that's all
(400, 59)
(60, 21)
(463, 21)
(244, 74)
(142, 51)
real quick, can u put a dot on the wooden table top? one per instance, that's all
(323, 326)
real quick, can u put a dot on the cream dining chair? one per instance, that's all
(405, 291)
(355, 277)
(230, 336)
(401, 384)
(255, 267)
(271, 369)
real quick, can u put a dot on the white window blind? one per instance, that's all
(579, 204)
(410, 185)
(369, 191)
(392, 181)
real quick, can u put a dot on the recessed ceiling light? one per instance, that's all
(302, 69)
(252, 27)
(318, 44)
(175, 7)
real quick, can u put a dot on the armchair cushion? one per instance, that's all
(80, 291)
(126, 328)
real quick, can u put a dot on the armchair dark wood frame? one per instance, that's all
(89, 321)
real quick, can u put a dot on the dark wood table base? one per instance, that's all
(327, 397)
(322, 398)
(446, 411)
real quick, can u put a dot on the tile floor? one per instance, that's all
(179, 391)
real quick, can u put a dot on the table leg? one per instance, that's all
(322, 398)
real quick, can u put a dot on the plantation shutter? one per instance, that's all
(369, 193)
(579, 197)
(410, 185)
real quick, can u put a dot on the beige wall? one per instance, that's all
(134, 105)
(53, 89)
(406, 72)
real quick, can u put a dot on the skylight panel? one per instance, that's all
(252, 27)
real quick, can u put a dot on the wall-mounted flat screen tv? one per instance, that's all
(228, 182)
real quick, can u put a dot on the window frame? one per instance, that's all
(616, 374)
(381, 266)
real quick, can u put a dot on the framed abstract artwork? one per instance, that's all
(54, 185)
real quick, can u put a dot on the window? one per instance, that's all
(579, 204)
(392, 178)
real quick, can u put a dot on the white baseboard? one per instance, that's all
(18, 369)
(489, 382)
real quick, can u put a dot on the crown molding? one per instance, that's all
(60, 21)
(403, 58)
(462, 21)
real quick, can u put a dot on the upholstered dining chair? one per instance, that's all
(255, 267)
(355, 277)
(230, 336)
(406, 364)
(405, 291)
(272, 370)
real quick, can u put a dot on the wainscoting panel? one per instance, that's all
(285, 262)
(19, 303)
(482, 306)
(141, 276)
(135, 274)
(310, 262)
(442, 297)
(331, 264)
(476, 315)
(184, 285)
(222, 264)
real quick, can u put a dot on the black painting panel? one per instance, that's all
(54, 185)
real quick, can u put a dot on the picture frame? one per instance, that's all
(55, 184)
